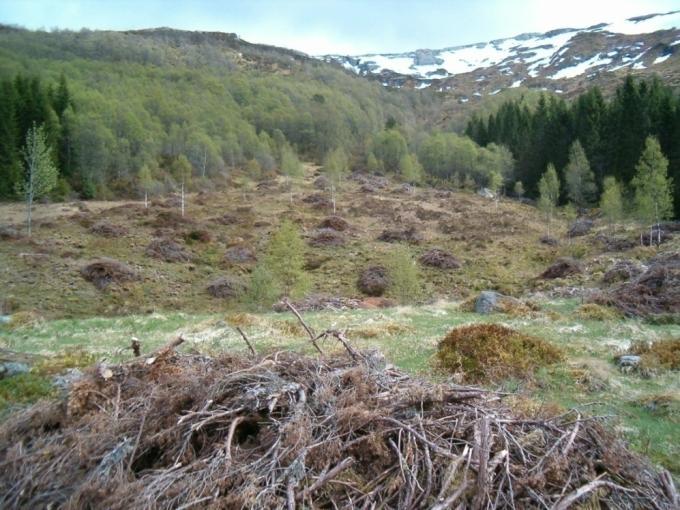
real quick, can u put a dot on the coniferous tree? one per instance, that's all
(653, 198)
(611, 201)
(284, 260)
(549, 192)
(579, 178)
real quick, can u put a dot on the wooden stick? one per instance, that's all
(341, 466)
(309, 330)
(571, 498)
(245, 338)
(136, 347)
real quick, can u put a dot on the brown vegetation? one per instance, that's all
(410, 235)
(492, 352)
(327, 237)
(105, 229)
(335, 223)
(562, 268)
(168, 250)
(105, 271)
(373, 281)
(661, 354)
(437, 257)
(226, 287)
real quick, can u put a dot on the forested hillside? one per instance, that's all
(612, 131)
(132, 112)
(114, 103)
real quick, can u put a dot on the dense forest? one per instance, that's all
(611, 131)
(126, 111)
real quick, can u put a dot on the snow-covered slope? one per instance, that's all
(537, 60)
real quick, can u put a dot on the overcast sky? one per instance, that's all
(334, 26)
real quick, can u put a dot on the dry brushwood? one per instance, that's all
(106, 229)
(373, 281)
(327, 237)
(562, 268)
(437, 257)
(410, 235)
(168, 250)
(104, 271)
(226, 287)
(336, 223)
(654, 292)
(290, 431)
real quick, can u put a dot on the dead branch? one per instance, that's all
(245, 339)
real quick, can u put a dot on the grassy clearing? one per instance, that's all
(644, 408)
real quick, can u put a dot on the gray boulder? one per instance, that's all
(581, 227)
(12, 368)
(486, 302)
(629, 361)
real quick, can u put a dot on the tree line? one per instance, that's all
(612, 135)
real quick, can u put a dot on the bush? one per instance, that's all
(263, 290)
(404, 276)
(104, 271)
(662, 354)
(492, 352)
(373, 281)
(595, 312)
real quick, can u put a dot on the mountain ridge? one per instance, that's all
(558, 60)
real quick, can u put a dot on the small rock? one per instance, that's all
(629, 360)
(12, 368)
(63, 382)
(486, 302)
(581, 227)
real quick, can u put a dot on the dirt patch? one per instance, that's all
(168, 250)
(335, 223)
(373, 281)
(226, 219)
(318, 201)
(580, 227)
(410, 235)
(437, 257)
(170, 219)
(197, 236)
(492, 353)
(429, 214)
(106, 229)
(240, 255)
(561, 268)
(548, 241)
(105, 271)
(9, 233)
(226, 287)
(622, 271)
(327, 237)
(610, 243)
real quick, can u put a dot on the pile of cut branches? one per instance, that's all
(285, 430)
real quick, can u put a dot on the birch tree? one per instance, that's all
(40, 173)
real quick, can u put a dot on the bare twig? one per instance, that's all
(245, 339)
(309, 330)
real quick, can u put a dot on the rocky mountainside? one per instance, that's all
(563, 61)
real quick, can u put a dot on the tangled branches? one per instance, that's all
(289, 431)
